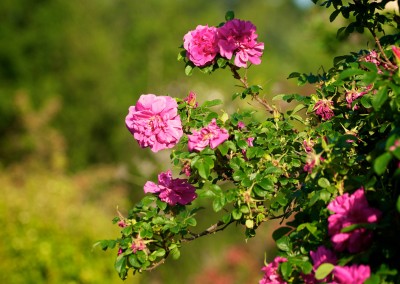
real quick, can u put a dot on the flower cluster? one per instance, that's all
(235, 38)
(324, 108)
(351, 210)
(170, 190)
(154, 122)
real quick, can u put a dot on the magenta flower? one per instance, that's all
(211, 135)
(271, 275)
(322, 255)
(350, 210)
(239, 38)
(241, 125)
(201, 45)
(138, 244)
(170, 190)
(323, 108)
(352, 95)
(155, 122)
(373, 57)
(355, 274)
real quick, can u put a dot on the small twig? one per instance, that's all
(264, 103)
(155, 265)
(378, 43)
(212, 229)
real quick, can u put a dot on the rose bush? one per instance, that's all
(331, 163)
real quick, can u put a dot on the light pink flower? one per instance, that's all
(211, 135)
(271, 275)
(323, 108)
(122, 224)
(155, 122)
(349, 210)
(201, 45)
(239, 38)
(355, 274)
(138, 244)
(241, 125)
(170, 190)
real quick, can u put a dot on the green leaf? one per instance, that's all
(120, 265)
(134, 261)
(230, 15)
(211, 103)
(160, 204)
(286, 269)
(324, 183)
(236, 214)
(219, 203)
(188, 69)
(284, 243)
(175, 253)
(191, 222)
(379, 98)
(323, 270)
(381, 163)
(373, 279)
(350, 72)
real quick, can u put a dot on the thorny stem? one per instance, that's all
(378, 43)
(255, 96)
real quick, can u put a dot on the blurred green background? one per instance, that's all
(69, 70)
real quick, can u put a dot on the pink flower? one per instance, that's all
(211, 135)
(323, 108)
(239, 38)
(241, 125)
(271, 275)
(351, 274)
(322, 255)
(308, 145)
(201, 45)
(155, 122)
(120, 251)
(352, 95)
(172, 190)
(138, 244)
(122, 224)
(250, 141)
(373, 57)
(350, 210)
(191, 100)
(396, 52)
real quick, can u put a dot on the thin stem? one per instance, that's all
(211, 230)
(378, 43)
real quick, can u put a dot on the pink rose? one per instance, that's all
(271, 275)
(138, 244)
(211, 135)
(350, 210)
(239, 38)
(201, 45)
(155, 122)
(355, 274)
(170, 190)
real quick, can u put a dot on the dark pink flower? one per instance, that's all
(155, 122)
(120, 251)
(396, 52)
(271, 275)
(352, 95)
(138, 244)
(322, 255)
(122, 224)
(323, 108)
(211, 135)
(373, 57)
(350, 210)
(308, 145)
(201, 45)
(172, 190)
(191, 100)
(239, 38)
(355, 274)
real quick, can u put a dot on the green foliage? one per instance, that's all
(342, 137)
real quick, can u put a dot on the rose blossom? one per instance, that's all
(239, 37)
(155, 122)
(355, 274)
(211, 135)
(172, 190)
(350, 210)
(191, 100)
(323, 108)
(271, 275)
(201, 45)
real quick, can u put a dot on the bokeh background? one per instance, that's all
(69, 70)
